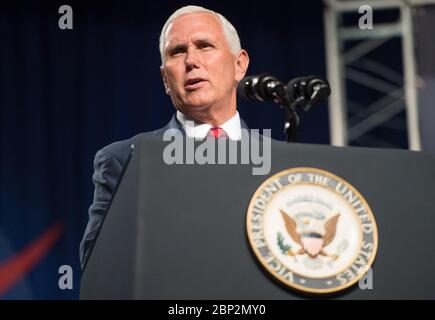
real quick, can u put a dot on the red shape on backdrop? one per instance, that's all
(16, 267)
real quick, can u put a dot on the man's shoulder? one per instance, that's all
(120, 150)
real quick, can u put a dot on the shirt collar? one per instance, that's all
(199, 130)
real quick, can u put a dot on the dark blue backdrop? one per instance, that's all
(65, 94)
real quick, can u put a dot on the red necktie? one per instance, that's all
(217, 132)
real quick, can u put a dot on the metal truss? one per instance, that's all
(350, 121)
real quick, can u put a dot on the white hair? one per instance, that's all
(230, 32)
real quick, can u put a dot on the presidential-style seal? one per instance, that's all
(312, 230)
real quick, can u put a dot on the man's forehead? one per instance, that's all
(196, 25)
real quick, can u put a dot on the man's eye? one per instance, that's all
(205, 45)
(176, 52)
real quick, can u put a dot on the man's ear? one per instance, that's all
(242, 63)
(162, 72)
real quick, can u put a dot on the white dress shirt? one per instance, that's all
(199, 130)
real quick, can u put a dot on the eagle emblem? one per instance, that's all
(313, 237)
(306, 230)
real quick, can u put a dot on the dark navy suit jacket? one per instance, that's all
(108, 165)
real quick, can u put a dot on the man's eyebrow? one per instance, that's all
(203, 40)
(183, 47)
(176, 47)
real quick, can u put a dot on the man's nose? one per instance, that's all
(192, 58)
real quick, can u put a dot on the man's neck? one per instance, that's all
(215, 120)
(197, 129)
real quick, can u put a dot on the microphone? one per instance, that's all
(263, 87)
(300, 92)
(309, 89)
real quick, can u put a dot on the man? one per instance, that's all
(202, 63)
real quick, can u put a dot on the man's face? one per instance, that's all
(200, 71)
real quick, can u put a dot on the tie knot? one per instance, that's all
(217, 132)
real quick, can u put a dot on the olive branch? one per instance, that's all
(285, 248)
(282, 246)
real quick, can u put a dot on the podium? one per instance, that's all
(179, 231)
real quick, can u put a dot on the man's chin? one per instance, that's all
(198, 104)
(193, 109)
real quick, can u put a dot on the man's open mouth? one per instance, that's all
(194, 83)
